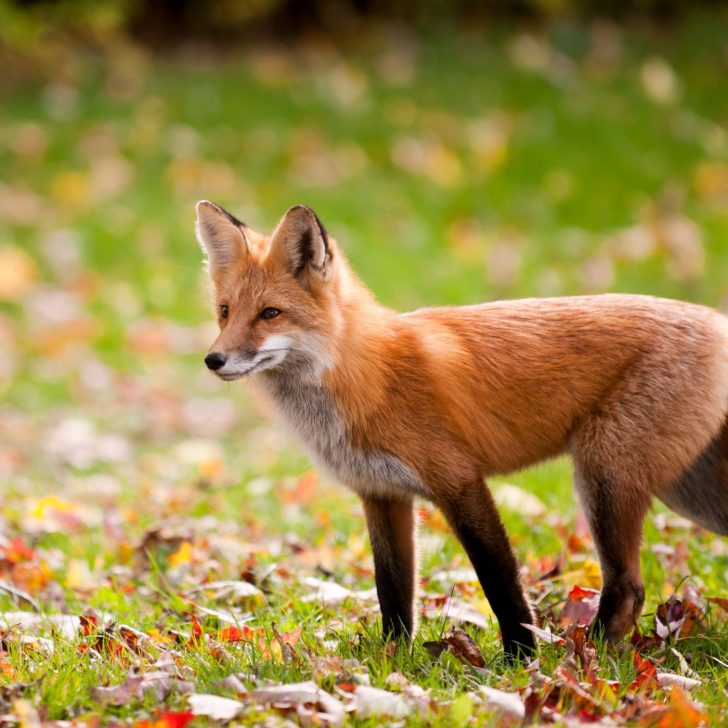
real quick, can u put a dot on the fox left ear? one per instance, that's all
(221, 236)
(300, 243)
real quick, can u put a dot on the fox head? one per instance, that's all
(274, 296)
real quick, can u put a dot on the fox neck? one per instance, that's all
(356, 327)
(345, 360)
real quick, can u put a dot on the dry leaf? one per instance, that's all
(214, 706)
(507, 704)
(368, 701)
(324, 707)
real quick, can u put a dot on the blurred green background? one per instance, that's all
(458, 154)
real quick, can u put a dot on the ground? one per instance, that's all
(183, 537)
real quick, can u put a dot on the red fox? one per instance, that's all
(430, 403)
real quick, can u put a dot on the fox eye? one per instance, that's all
(224, 311)
(269, 313)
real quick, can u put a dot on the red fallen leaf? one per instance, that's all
(588, 706)
(89, 623)
(22, 566)
(347, 687)
(644, 641)
(15, 551)
(581, 606)
(576, 544)
(196, 633)
(232, 633)
(646, 673)
(548, 567)
(6, 668)
(167, 719)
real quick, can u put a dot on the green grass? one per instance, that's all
(474, 177)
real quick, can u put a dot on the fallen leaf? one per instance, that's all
(239, 593)
(646, 672)
(507, 704)
(329, 593)
(456, 610)
(66, 624)
(518, 500)
(722, 602)
(545, 635)
(581, 606)
(368, 702)
(461, 644)
(167, 719)
(668, 679)
(214, 706)
(319, 704)
(682, 712)
(155, 684)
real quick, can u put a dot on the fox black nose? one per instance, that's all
(215, 360)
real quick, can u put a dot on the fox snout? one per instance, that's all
(215, 360)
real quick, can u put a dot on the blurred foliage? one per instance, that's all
(24, 22)
(454, 165)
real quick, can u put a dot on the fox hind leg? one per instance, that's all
(615, 513)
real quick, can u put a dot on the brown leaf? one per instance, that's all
(722, 602)
(461, 644)
(582, 649)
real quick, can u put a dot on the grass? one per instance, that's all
(453, 167)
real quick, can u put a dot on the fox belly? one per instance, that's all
(309, 412)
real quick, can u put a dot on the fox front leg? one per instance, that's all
(475, 520)
(392, 529)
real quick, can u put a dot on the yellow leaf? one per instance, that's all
(51, 503)
(483, 605)
(78, 575)
(18, 272)
(589, 575)
(71, 188)
(183, 555)
(592, 574)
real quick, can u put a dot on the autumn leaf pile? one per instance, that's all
(167, 557)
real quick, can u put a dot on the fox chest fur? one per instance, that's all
(309, 412)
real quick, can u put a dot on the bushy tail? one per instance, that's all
(702, 493)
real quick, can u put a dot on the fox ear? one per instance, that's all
(221, 236)
(300, 244)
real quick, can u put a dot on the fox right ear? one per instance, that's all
(221, 236)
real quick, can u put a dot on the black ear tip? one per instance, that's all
(305, 210)
(321, 228)
(204, 205)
